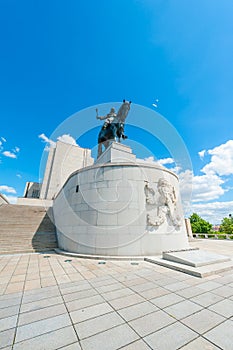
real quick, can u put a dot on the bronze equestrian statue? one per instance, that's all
(113, 127)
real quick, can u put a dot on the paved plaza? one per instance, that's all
(50, 301)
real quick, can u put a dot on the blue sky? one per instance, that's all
(58, 58)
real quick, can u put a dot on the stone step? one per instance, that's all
(29, 239)
(12, 230)
(25, 229)
(8, 252)
(202, 271)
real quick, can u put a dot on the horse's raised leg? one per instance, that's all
(99, 149)
(106, 144)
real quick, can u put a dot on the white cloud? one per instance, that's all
(203, 188)
(19, 176)
(176, 169)
(221, 162)
(162, 161)
(47, 140)
(165, 161)
(186, 185)
(9, 154)
(7, 189)
(202, 154)
(210, 185)
(207, 187)
(149, 160)
(66, 138)
(213, 212)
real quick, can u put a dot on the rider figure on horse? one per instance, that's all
(113, 126)
(110, 118)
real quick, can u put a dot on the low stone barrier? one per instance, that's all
(213, 236)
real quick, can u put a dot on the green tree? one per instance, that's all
(199, 225)
(227, 225)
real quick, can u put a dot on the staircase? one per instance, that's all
(26, 228)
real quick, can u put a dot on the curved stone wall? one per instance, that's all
(120, 209)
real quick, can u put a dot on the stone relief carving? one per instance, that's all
(161, 205)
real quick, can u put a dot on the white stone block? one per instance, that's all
(112, 173)
(127, 217)
(111, 209)
(89, 217)
(105, 219)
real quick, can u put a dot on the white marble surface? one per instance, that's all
(108, 214)
(195, 257)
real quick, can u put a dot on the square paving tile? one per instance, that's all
(111, 339)
(49, 341)
(8, 322)
(225, 279)
(99, 324)
(190, 292)
(90, 312)
(37, 315)
(203, 321)
(199, 344)
(135, 281)
(40, 327)
(40, 295)
(137, 310)
(210, 285)
(9, 311)
(74, 346)
(7, 337)
(144, 286)
(154, 293)
(80, 295)
(14, 287)
(222, 335)
(137, 345)
(84, 302)
(102, 282)
(171, 337)
(126, 301)
(9, 302)
(75, 287)
(11, 296)
(110, 287)
(182, 309)
(117, 293)
(224, 291)
(167, 300)
(223, 307)
(35, 305)
(207, 299)
(177, 286)
(163, 281)
(151, 323)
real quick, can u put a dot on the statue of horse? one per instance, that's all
(111, 131)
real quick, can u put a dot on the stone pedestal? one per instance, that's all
(116, 152)
(120, 207)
